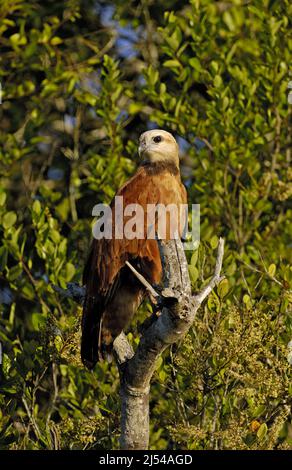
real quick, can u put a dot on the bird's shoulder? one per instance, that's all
(135, 183)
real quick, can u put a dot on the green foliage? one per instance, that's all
(73, 106)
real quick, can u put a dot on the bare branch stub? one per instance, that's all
(122, 349)
(74, 291)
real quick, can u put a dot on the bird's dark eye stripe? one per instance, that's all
(157, 139)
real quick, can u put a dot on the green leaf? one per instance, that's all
(2, 199)
(194, 273)
(162, 375)
(159, 363)
(36, 207)
(223, 288)
(9, 219)
(58, 342)
(135, 108)
(3, 257)
(194, 258)
(70, 271)
(175, 39)
(55, 41)
(55, 236)
(228, 20)
(38, 320)
(62, 248)
(272, 270)
(195, 64)
(213, 302)
(14, 272)
(153, 76)
(214, 242)
(17, 40)
(257, 412)
(172, 63)
(225, 102)
(262, 431)
(246, 299)
(217, 81)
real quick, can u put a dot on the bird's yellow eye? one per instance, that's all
(157, 139)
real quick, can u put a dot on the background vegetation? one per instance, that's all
(81, 79)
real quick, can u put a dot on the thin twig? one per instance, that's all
(31, 418)
(34, 284)
(143, 280)
(216, 277)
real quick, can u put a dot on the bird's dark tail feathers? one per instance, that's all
(91, 332)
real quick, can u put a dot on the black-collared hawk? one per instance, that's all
(113, 292)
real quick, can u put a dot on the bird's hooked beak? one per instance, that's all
(142, 147)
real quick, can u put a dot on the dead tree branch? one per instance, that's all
(179, 308)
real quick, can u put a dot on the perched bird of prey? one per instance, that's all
(113, 293)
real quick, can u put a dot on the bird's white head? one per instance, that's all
(157, 146)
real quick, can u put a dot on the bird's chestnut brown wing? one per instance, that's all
(103, 267)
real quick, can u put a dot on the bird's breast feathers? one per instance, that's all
(158, 187)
